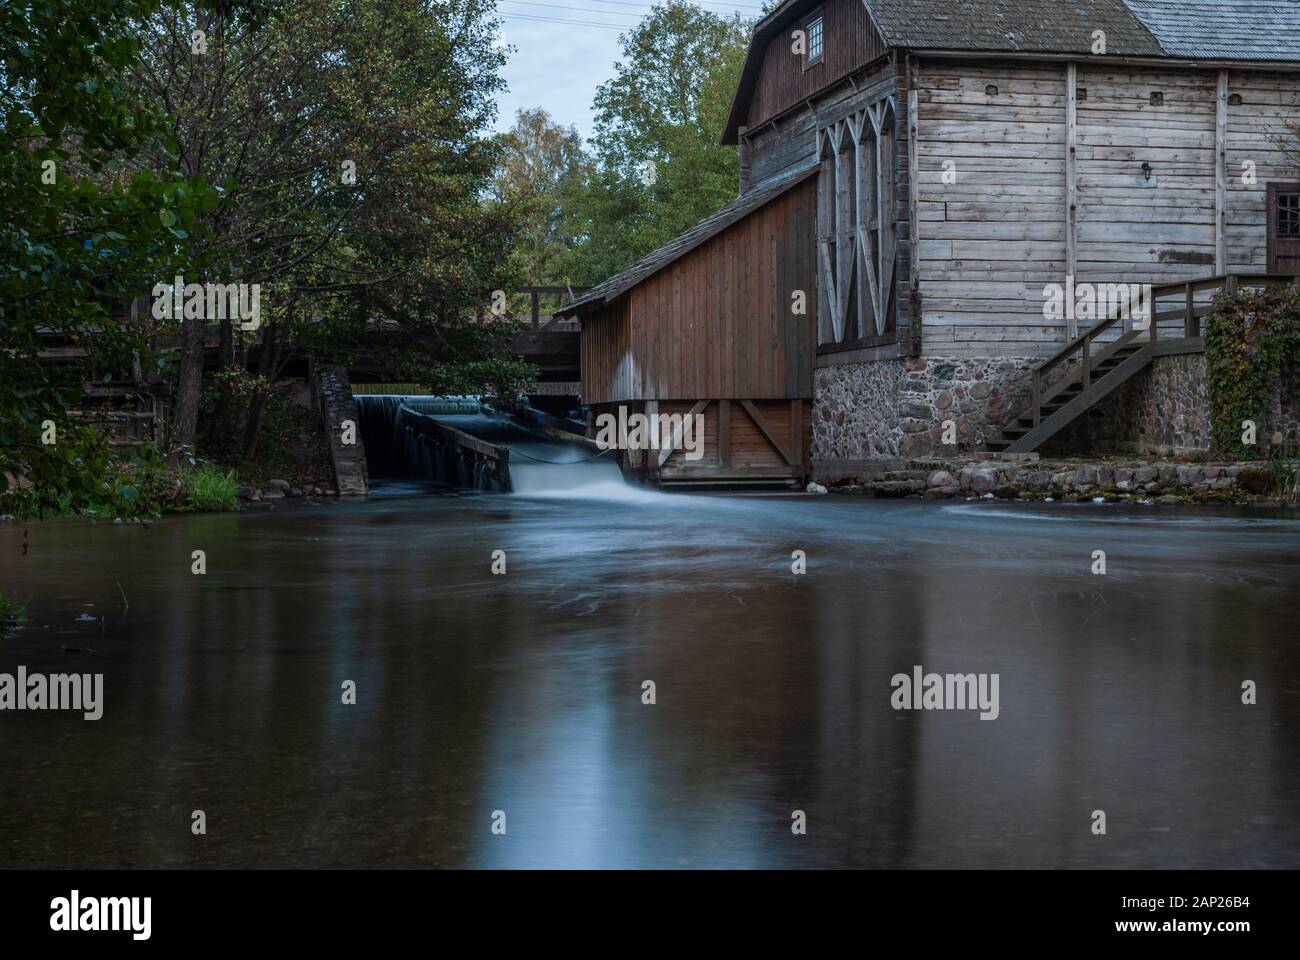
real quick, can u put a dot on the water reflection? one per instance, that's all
(522, 693)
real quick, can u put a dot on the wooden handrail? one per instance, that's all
(1230, 283)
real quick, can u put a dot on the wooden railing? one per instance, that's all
(535, 293)
(1190, 311)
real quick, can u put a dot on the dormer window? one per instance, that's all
(815, 40)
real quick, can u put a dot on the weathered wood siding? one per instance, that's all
(1134, 230)
(716, 323)
(792, 144)
(992, 240)
(1268, 101)
(850, 42)
(994, 236)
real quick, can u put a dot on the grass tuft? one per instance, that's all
(13, 613)
(210, 489)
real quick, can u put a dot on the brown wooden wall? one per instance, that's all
(850, 42)
(716, 323)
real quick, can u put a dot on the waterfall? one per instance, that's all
(401, 445)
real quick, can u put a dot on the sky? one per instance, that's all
(558, 66)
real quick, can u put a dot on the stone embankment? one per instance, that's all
(1135, 480)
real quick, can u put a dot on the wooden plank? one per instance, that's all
(1221, 176)
(1089, 398)
(914, 205)
(724, 432)
(675, 440)
(1071, 179)
(766, 430)
(796, 432)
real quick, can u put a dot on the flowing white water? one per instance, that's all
(540, 465)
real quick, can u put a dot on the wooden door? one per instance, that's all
(1284, 228)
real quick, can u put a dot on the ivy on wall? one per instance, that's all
(1252, 343)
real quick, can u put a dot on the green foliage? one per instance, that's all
(1284, 463)
(209, 488)
(105, 487)
(660, 167)
(83, 229)
(656, 166)
(351, 144)
(293, 447)
(540, 177)
(13, 613)
(1252, 345)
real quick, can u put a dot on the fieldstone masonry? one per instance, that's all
(899, 408)
(895, 409)
(349, 459)
(1136, 480)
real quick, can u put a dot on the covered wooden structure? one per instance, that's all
(722, 323)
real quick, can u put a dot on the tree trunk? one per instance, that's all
(189, 384)
(225, 359)
(268, 365)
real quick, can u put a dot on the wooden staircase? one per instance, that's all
(1096, 367)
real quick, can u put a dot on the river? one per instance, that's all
(516, 699)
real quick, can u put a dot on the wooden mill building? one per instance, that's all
(927, 175)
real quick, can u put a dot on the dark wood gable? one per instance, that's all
(776, 78)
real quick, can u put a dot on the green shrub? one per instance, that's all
(13, 613)
(1252, 343)
(1285, 463)
(210, 489)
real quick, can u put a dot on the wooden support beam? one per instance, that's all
(796, 431)
(766, 429)
(1071, 183)
(1221, 177)
(724, 433)
(643, 458)
(914, 206)
(675, 440)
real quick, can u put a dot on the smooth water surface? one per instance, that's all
(523, 693)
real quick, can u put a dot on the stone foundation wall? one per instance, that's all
(898, 408)
(1165, 411)
(351, 477)
(1120, 480)
(856, 411)
(894, 409)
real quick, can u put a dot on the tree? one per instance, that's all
(661, 167)
(347, 142)
(81, 229)
(540, 175)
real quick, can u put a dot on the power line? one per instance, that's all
(575, 23)
(555, 6)
(704, 3)
(642, 6)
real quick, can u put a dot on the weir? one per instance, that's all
(465, 442)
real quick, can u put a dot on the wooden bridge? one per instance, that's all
(1097, 362)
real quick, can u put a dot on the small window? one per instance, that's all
(991, 90)
(1157, 99)
(1288, 214)
(1081, 95)
(815, 44)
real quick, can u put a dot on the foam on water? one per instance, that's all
(540, 466)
